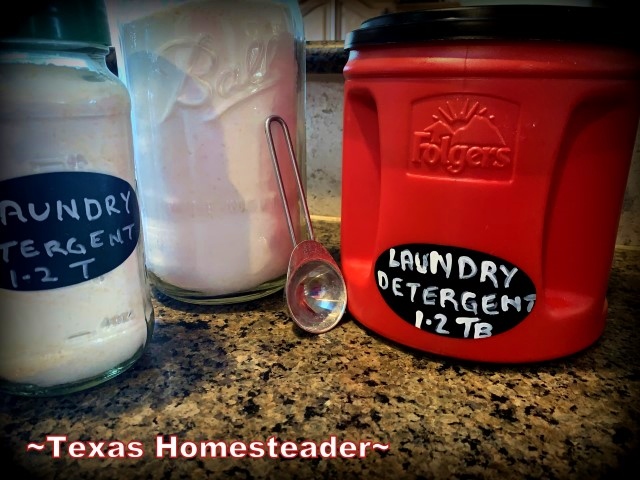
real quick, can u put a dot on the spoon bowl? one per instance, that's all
(315, 289)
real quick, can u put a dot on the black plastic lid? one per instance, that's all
(83, 21)
(601, 25)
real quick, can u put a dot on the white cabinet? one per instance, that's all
(330, 20)
(333, 19)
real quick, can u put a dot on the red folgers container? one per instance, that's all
(486, 151)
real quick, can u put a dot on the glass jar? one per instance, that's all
(203, 77)
(75, 304)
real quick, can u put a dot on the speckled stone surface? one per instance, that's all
(247, 373)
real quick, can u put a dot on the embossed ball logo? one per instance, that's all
(454, 292)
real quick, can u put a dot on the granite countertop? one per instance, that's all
(325, 57)
(247, 373)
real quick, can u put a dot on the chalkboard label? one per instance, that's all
(64, 228)
(452, 291)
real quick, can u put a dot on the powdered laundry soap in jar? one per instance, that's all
(75, 309)
(203, 78)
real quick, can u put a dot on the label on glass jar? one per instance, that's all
(454, 292)
(64, 228)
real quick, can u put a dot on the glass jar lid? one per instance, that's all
(82, 21)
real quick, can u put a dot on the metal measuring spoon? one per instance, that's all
(315, 290)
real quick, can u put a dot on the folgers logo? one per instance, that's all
(464, 139)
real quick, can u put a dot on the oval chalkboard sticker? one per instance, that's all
(452, 291)
(64, 228)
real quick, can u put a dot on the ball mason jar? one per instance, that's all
(203, 77)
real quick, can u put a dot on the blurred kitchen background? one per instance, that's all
(326, 24)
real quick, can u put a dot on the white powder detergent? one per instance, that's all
(203, 78)
(56, 116)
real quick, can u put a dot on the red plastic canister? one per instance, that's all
(485, 156)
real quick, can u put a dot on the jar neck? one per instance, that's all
(52, 52)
